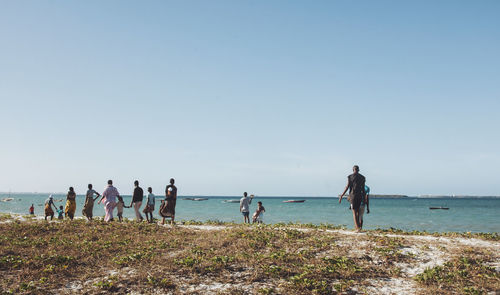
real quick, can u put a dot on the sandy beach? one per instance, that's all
(193, 258)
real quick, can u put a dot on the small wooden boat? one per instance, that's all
(294, 201)
(200, 199)
(231, 201)
(436, 208)
(190, 199)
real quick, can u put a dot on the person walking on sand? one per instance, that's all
(119, 208)
(167, 207)
(70, 209)
(245, 207)
(108, 198)
(150, 205)
(48, 207)
(356, 187)
(88, 208)
(137, 201)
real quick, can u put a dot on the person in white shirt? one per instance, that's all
(108, 198)
(245, 207)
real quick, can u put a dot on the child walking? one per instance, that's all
(119, 207)
(60, 212)
(150, 206)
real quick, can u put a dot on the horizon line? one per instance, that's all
(423, 196)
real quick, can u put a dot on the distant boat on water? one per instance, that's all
(294, 201)
(436, 208)
(8, 198)
(195, 199)
(231, 201)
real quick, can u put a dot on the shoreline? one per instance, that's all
(406, 214)
(222, 258)
(11, 217)
(379, 195)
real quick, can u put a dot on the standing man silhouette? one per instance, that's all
(137, 200)
(108, 198)
(356, 187)
(245, 202)
(167, 208)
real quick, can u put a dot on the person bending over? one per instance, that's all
(258, 216)
(49, 203)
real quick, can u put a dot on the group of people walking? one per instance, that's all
(356, 184)
(112, 199)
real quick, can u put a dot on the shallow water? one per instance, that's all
(464, 215)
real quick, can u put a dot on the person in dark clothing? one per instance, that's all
(356, 187)
(167, 207)
(137, 201)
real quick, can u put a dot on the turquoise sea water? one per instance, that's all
(464, 215)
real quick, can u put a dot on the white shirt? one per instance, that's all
(110, 193)
(244, 204)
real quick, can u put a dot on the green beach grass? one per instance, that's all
(38, 257)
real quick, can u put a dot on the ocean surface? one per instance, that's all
(464, 215)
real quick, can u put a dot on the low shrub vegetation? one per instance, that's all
(38, 257)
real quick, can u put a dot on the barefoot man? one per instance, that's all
(245, 202)
(108, 198)
(356, 187)
(137, 201)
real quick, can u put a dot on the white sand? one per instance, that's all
(391, 286)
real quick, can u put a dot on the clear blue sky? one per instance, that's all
(270, 97)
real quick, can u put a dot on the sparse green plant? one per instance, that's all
(274, 259)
